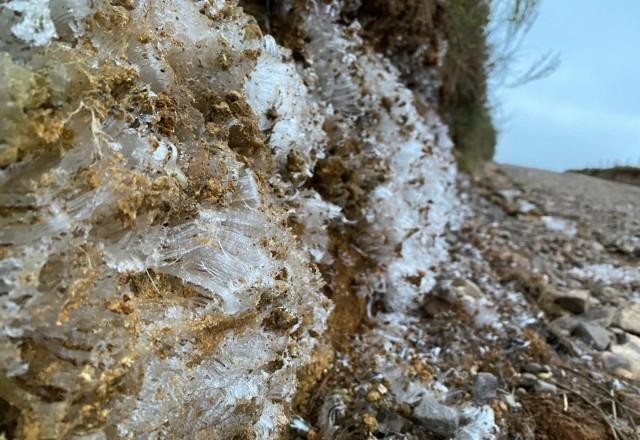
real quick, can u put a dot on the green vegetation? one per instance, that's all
(622, 173)
(483, 42)
(464, 91)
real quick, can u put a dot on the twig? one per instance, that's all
(152, 283)
(628, 412)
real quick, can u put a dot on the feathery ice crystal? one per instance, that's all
(164, 208)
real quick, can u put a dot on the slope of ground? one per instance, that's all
(531, 332)
(622, 174)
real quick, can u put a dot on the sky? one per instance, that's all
(587, 113)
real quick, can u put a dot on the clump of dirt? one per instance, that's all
(402, 25)
(212, 329)
(313, 374)
(232, 119)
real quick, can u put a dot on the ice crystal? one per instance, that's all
(164, 204)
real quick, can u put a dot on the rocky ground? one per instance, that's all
(533, 331)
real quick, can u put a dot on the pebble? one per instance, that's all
(299, 426)
(437, 418)
(545, 387)
(373, 396)
(623, 360)
(511, 401)
(536, 368)
(617, 364)
(545, 375)
(468, 287)
(602, 316)
(575, 301)
(484, 388)
(528, 379)
(628, 317)
(592, 334)
(533, 367)
(371, 422)
(609, 294)
(620, 336)
(566, 324)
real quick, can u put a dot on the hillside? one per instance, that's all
(629, 175)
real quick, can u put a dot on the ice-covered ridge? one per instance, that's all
(409, 211)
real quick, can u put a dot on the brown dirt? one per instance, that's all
(401, 25)
(544, 418)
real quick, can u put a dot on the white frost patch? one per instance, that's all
(525, 206)
(557, 224)
(316, 214)
(482, 310)
(36, 26)
(607, 273)
(510, 194)
(482, 425)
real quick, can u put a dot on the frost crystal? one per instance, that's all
(35, 26)
(170, 179)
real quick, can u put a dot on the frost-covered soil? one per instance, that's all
(218, 224)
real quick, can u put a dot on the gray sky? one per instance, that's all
(587, 113)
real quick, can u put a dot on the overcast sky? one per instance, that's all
(587, 114)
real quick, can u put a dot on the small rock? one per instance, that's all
(528, 379)
(300, 426)
(592, 334)
(510, 195)
(468, 287)
(435, 306)
(437, 418)
(533, 367)
(602, 316)
(617, 364)
(373, 396)
(512, 402)
(575, 301)
(371, 422)
(484, 387)
(545, 387)
(623, 360)
(628, 317)
(566, 324)
(544, 375)
(620, 336)
(526, 207)
(609, 294)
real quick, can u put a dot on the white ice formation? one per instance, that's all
(161, 217)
